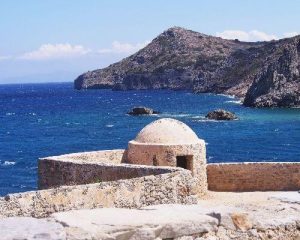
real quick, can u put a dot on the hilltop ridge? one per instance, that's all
(265, 74)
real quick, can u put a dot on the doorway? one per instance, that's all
(185, 162)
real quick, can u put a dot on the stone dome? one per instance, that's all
(166, 131)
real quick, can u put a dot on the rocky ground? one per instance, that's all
(266, 74)
(250, 215)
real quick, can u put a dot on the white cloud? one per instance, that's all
(55, 51)
(250, 36)
(257, 36)
(290, 34)
(2, 58)
(233, 34)
(118, 47)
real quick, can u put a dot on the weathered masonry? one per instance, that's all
(162, 145)
(254, 176)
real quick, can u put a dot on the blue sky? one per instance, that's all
(55, 40)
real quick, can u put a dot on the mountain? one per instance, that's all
(264, 74)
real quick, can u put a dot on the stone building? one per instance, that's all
(162, 146)
(169, 142)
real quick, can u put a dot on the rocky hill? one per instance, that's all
(265, 74)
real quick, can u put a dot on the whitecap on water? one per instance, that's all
(198, 117)
(206, 120)
(7, 163)
(225, 95)
(109, 125)
(32, 168)
(175, 115)
(235, 102)
(10, 114)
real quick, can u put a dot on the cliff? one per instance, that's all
(266, 74)
(277, 83)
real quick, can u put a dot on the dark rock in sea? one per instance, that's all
(264, 73)
(142, 111)
(221, 114)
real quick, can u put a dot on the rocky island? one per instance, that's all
(141, 110)
(264, 74)
(221, 114)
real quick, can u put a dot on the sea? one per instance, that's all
(39, 120)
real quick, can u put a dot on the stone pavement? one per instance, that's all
(224, 216)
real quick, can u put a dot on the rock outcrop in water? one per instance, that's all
(221, 114)
(266, 74)
(136, 111)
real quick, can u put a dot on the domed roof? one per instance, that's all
(167, 131)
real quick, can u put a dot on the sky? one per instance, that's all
(56, 40)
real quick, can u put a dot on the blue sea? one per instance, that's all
(39, 120)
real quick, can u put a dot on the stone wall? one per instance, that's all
(106, 166)
(110, 165)
(115, 156)
(257, 176)
(54, 173)
(173, 187)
